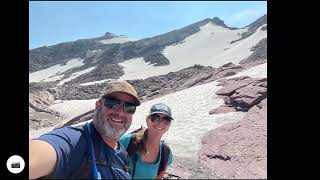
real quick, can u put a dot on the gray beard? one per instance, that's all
(104, 128)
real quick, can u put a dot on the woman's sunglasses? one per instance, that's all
(157, 118)
(115, 103)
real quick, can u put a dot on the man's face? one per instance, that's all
(112, 122)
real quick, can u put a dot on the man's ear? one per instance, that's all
(98, 104)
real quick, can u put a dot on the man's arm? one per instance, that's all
(42, 159)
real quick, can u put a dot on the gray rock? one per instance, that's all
(157, 59)
(259, 22)
(105, 71)
(259, 53)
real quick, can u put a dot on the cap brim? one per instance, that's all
(160, 112)
(136, 100)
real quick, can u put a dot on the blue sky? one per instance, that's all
(61, 21)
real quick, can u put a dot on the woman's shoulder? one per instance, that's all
(125, 139)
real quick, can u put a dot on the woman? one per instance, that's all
(150, 153)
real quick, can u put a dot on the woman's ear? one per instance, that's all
(148, 120)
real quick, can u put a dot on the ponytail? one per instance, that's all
(141, 139)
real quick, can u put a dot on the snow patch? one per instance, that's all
(75, 75)
(53, 73)
(210, 47)
(259, 71)
(119, 39)
(137, 68)
(191, 117)
(94, 82)
(73, 108)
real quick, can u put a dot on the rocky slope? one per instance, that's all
(152, 87)
(236, 150)
(239, 150)
(259, 53)
(253, 27)
(40, 114)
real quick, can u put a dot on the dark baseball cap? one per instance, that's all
(161, 108)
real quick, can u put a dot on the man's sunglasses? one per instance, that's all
(157, 118)
(114, 103)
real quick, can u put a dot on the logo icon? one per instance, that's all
(15, 164)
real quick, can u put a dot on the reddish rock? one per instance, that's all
(243, 92)
(248, 96)
(238, 150)
(188, 168)
(231, 88)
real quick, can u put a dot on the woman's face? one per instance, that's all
(158, 123)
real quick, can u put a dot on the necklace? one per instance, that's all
(147, 152)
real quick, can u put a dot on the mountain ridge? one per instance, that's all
(148, 48)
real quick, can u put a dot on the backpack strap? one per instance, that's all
(132, 146)
(85, 168)
(107, 162)
(131, 149)
(164, 157)
(93, 153)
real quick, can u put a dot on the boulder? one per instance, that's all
(242, 92)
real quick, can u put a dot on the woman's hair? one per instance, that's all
(141, 138)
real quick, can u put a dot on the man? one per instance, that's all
(91, 150)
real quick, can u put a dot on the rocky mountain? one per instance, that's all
(105, 57)
(234, 150)
(43, 57)
(253, 27)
